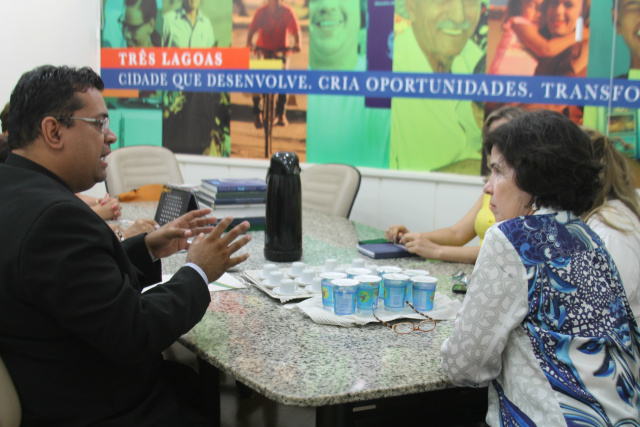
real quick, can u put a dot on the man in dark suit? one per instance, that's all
(81, 342)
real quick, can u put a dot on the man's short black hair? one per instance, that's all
(46, 91)
(552, 159)
(4, 117)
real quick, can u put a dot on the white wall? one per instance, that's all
(67, 32)
(38, 32)
(420, 200)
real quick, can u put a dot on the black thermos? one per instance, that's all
(283, 229)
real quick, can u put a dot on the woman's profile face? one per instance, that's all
(137, 33)
(507, 200)
(562, 15)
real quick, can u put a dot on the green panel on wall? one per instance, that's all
(141, 127)
(115, 124)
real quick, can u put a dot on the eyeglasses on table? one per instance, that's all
(404, 328)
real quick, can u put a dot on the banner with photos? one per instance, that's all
(378, 83)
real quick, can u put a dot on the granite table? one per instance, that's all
(278, 351)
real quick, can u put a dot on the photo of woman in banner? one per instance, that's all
(516, 45)
(564, 18)
(131, 23)
(196, 122)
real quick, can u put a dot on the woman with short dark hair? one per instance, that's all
(546, 320)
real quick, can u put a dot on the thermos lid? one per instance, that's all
(284, 163)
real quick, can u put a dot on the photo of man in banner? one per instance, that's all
(436, 134)
(184, 122)
(196, 122)
(358, 135)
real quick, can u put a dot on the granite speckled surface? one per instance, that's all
(281, 353)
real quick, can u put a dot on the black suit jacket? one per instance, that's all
(81, 342)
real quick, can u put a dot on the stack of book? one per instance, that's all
(244, 199)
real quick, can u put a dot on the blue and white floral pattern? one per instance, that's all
(547, 322)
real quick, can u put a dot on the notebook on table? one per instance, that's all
(382, 249)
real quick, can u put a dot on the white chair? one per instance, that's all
(330, 188)
(10, 410)
(132, 167)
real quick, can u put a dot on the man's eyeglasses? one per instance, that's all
(408, 327)
(128, 27)
(102, 123)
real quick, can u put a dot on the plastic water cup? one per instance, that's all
(424, 291)
(395, 290)
(412, 273)
(344, 296)
(327, 288)
(368, 288)
(353, 272)
(384, 269)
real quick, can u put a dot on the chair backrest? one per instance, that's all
(10, 410)
(133, 167)
(330, 188)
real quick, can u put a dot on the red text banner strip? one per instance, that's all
(232, 58)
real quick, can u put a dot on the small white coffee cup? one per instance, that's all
(297, 268)
(275, 277)
(330, 265)
(357, 263)
(268, 268)
(288, 286)
(307, 275)
(316, 284)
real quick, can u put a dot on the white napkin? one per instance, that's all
(224, 283)
(444, 308)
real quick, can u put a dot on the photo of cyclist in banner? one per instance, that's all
(273, 22)
(276, 33)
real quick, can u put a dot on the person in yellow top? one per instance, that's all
(447, 244)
